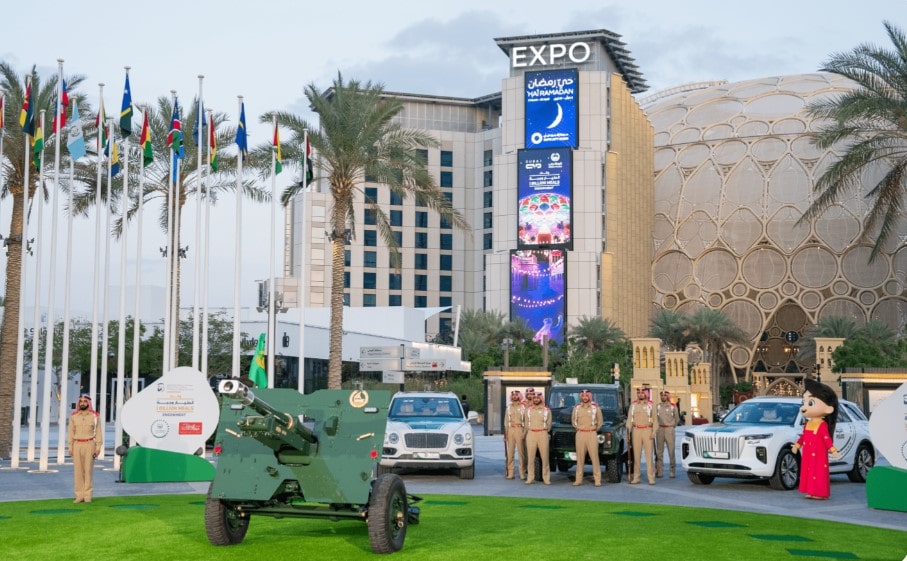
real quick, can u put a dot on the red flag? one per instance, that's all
(64, 103)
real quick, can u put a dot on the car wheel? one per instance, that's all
(700, 478)
(562, 466)
(862, 463)
(787, 471)
(538, 469)
(387, 514)
(612, 469)
(468, 472)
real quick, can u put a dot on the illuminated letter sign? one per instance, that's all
(547, 55)
(538, 289)
(551, 108)
(544, 211)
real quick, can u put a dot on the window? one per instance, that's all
(398, 238)
(421, 301)
(394, 300)
(423, 154)
(487, 158)
(396, 199)
(421, 261)
(421, 282)
(445, 224)
(371, 194)
(446, 179)
(446, 283)
(487, 241)
(421, 241)
(444, 325)
(346, 258)
(449, 196)
(421, 219)
(446, 262)
(370, 238)
(370, 259)
(369, 281)
(488, 178)
(370, 216)
(446, 241)
(346, 279)
(346, 298)
(446, 159)
(487, 221)
(396, 218)
(444, 301)
(488, 199)
(368, 301)
(395, 281)
(395, 260)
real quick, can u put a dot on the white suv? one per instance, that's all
(428, 430)
(753, 441)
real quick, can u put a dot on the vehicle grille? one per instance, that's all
(426, 440)
(718, 443)
(563, 439)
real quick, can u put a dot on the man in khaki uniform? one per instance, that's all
(515, 435)
(85, 439)
(538, 419)
(641, 422)
(587, 419)
(668, 418)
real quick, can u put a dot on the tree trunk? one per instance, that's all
(9, 330)
(335, 360)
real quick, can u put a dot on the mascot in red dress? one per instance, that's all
(820, 408)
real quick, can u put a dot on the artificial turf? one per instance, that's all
(171, 527)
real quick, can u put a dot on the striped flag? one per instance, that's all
(115, 158)
(100, 123)
(37, 144)
(64, 103)
(27, 115)
(147, 148)
(212, 145)
(278, 167)
(2, 111)
(75, 141)
(126, 110)
(307, 170)
(242, 141)
(175, 136)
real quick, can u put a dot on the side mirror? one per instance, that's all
(472, 416)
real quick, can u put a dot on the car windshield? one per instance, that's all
(763, 413)
(564, 401)
(407, 408)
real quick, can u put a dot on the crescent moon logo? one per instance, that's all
(557, 120)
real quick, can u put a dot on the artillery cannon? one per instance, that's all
(281, 453)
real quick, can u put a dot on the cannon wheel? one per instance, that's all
(223, 524)
(387, 511)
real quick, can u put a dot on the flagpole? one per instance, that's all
(137, 324)
(93, 375)
(175, 270)
(169, 251)
(121, 328)
(272, 327)
(20, 338)
(64, 390)
(105, 345)
(237, 252)
(36, 312)
(52, 274)
(300, 286)
(200, 148)
(207, 248)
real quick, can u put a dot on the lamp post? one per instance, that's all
(506, 345)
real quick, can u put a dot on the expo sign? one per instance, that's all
(546, 55)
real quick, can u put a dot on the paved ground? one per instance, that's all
(847, 504)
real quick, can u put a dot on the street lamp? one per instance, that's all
(506, 345)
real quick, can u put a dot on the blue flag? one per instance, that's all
(126, 111)
(75, 141)
(199, 114)
(241, 140)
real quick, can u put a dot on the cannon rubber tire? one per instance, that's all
(787, 471)
(222, 523)
(700, 478)
(862, 463)
(612, 469)
(388, 508)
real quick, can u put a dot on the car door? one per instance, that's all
(845, 441)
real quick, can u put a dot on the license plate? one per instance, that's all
(570, 456)
(426, 455)
(716, 455)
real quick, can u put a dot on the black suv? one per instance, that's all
(611, 451)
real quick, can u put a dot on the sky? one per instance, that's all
(270, 50)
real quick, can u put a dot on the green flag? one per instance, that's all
(257, 372)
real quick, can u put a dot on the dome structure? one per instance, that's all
(734, 172)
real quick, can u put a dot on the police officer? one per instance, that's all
(668, 417)
(85, 438)
(641, 422)
(538, 420)
(515, 435)
(587, 419)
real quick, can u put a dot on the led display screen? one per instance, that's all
(538, 292)
(544, 194)
(551, 108)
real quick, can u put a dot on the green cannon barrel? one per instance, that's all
(274, 428)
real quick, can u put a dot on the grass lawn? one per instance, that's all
(461, 528)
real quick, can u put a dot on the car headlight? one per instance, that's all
(393, 438)
(458, 439)
(757, 437)
(464, 437)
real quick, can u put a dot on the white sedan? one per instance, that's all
(753, 441)
(428, 430)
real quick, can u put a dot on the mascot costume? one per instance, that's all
(820, 409)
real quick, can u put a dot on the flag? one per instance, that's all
(199, 114)
(307, 169)
(241, 140)
(75, 141)
(175, 136)
(147, 148)
(126, 110)
(115, 159)
(278, 167)
(212, 145)
(27, 115)
(100, 123)
(37, 144)
(257, 372)
(64, 103)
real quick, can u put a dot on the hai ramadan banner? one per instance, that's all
(551, 108)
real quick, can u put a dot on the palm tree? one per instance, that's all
(670, 327)
(716, 334)
(870, 125)
(830, 326)
(157, 177)
(596, 333)
(359, 137)
(13, 162)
